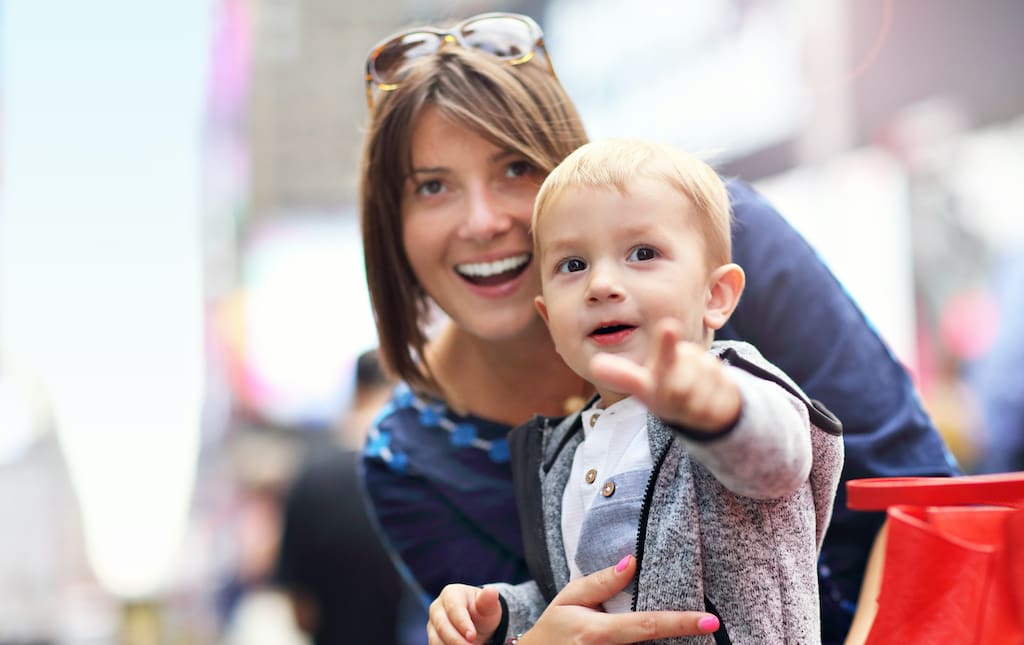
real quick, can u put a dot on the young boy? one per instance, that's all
(698, 457)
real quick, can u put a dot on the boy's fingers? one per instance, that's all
(444, 633)
(449, 614)
(622, 374)
(666, 334)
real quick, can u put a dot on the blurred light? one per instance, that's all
(683, 72)
(100, 259)
(854, 211)
(968, 323)
(292, 334)
(19, 418)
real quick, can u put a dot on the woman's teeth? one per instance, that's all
(488, 269)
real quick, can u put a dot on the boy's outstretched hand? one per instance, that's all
(463, 615)
(680, 383)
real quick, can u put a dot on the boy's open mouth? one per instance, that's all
(608, 330)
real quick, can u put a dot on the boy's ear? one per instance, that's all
(724, 288)
(542, 309)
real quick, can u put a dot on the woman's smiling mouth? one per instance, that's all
(488, 274)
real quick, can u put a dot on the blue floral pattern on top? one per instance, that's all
(441, 488)
(432, 414)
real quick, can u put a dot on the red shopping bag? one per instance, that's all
(954, 558)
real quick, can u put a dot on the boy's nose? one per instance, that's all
(603, 286)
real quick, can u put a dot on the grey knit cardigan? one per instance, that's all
(754, 560)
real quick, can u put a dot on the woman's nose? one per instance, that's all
(486, 218)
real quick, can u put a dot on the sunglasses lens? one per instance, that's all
(391, 58)
(503, 37)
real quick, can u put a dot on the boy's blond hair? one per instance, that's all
(614, 163)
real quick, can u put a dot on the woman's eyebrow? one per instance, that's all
(428, 170)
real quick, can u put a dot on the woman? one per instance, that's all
(464, 125)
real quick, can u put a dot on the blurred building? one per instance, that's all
(305, 107)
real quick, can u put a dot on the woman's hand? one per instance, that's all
(575, 615)
(463, 615)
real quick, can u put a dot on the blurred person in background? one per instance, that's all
(997, 387)
(464, 126)
(342, 586)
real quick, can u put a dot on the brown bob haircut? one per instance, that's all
(522, 108)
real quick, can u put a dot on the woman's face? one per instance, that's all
(466, 212)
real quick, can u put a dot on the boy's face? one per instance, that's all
(613, 265)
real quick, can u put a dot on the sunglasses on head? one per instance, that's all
(511, 37)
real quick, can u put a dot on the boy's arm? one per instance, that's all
(522, 605)
(767, 452)
(750, 433)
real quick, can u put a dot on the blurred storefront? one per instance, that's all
(890, 133)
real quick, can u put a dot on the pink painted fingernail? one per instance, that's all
(708, 624)
(623, 563)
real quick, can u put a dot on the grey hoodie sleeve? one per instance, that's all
(767, 454)
(525, 604)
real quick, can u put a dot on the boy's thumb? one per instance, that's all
(487, 602)
(486, 612)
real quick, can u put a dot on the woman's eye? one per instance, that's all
(430, 187)
(642, 254)
(518, 169)
(571, 265)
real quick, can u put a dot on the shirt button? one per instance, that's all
(593, 420)
(608, 489)
(590, 476)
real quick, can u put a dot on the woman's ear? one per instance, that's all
(724, 288)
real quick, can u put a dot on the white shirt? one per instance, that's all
(615, 441)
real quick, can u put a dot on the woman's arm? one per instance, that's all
(435, 542)
(801, 319)
(867, 605)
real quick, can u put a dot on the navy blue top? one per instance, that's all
(447, 507)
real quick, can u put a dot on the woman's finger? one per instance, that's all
(592, 590)
(635, 627)
(574, 615)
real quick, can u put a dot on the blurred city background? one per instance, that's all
(181, 290)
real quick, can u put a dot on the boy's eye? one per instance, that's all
(571, 265)
(642, 254)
